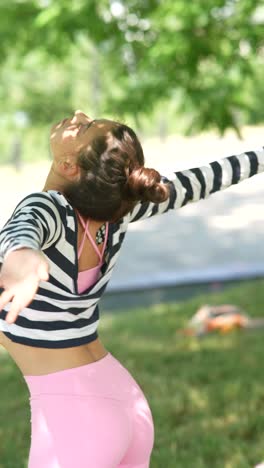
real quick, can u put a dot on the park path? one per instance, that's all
(218, 238)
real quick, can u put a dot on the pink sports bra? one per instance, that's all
(88, 277)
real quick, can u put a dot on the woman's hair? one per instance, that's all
(113, 177)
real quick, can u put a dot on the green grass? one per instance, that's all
(206, 395)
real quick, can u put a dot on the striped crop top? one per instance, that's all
(61, 315)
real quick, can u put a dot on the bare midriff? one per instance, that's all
(39, 361)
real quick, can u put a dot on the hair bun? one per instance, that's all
(144, 184)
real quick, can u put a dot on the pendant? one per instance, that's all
(100, 235)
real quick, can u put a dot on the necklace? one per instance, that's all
(100, 235)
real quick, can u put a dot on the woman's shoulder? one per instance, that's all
(47, 204)
(48, 198)
(58, 198)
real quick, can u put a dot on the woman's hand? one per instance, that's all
(20, 275)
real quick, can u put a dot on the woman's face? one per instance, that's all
(73, 134)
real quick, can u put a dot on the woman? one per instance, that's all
(87, 410)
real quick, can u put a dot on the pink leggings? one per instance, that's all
(92, 416)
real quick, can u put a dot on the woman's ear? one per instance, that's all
(70, 170)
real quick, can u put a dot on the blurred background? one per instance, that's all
(187, 78)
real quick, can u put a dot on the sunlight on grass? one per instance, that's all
(198, 399)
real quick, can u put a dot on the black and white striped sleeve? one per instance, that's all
(35, 223)
(195, 184)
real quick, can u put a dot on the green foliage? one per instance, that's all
(204, 52)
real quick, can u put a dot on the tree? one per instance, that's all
(203, 52)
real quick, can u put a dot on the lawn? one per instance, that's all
(206, 395)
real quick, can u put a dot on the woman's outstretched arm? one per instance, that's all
(192, 185)
(34, 225)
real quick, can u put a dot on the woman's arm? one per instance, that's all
(34, 226)
(195, 184)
